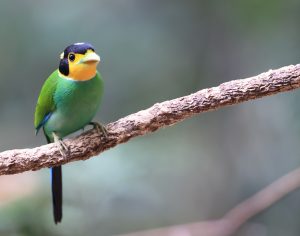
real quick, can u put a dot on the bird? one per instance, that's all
(68, 101)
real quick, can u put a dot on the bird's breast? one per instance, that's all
(76, 104)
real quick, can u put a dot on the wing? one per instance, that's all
(45, 104)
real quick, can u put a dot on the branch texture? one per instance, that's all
(159, 115)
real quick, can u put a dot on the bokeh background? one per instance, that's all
(153, 51)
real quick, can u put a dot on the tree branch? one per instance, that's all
(236, 217)
(159, 115)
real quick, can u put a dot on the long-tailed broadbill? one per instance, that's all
(68, 101)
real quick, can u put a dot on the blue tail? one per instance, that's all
(57, 193)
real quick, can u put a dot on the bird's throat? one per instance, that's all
(83, 72)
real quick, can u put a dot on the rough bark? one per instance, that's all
(159, 115)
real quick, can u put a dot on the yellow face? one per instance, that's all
(83, 66)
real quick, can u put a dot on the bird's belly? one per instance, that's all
(66, 122)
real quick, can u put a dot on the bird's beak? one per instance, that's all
(90, 57)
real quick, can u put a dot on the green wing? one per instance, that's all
(45, 104)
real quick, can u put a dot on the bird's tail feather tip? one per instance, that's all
(57, 193)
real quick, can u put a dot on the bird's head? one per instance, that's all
(78, 62)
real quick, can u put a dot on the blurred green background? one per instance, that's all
(153, 51)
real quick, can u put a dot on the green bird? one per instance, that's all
(68, 101)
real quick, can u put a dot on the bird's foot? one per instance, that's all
(100, 128)
(63, 148)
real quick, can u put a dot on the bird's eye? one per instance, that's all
(71, 56)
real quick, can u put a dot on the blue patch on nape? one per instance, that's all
(46, 118)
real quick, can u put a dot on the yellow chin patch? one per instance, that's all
(82, 72)
(83, 67)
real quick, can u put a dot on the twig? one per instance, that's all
(159, 115)
(236, 217)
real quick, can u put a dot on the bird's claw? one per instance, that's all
(62, 147)
(100, 128)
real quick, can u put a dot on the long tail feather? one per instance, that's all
(57, 193)
(56, 176)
